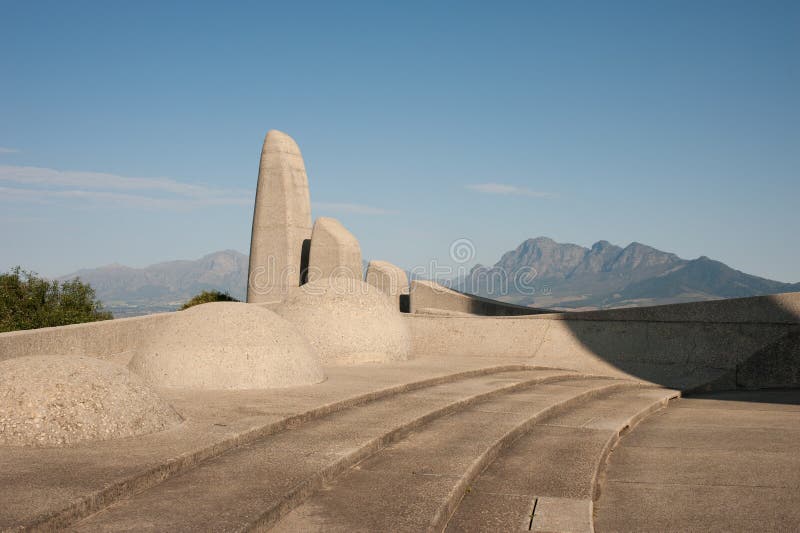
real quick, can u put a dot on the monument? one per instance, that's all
(320, 406)
(281, 221)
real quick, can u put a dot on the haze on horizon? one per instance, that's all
(130, 132)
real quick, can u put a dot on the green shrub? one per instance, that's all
(28, 302)
(209, 296)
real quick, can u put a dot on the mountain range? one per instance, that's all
(568, 276)
(127, 291)
(556, 275)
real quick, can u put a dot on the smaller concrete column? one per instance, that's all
(390, 279)
(335, 252)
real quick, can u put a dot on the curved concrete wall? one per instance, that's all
(428, 297)
(683, 346)
(775, 365)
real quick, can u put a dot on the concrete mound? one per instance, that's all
(226, 345)
(58, 400)
(347, 321)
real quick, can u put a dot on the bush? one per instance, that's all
(209, 296)
(28, 302)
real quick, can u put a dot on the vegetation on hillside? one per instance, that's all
(207, 297)
(28, 301)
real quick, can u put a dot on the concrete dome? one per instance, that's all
(347, 321)
(226, 345)
(56, 400)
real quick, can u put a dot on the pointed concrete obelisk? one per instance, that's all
(281, 220)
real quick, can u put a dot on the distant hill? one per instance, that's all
(166, 286)
(569, 276)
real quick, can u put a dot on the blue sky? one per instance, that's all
(130, 132)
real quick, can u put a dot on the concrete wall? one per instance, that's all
(111, 340)
(427, 297)
(684, 346)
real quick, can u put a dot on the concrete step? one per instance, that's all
(262, 480)
(546, 481)
(215, 422)
(416, 483)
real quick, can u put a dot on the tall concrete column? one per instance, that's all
(281, 220)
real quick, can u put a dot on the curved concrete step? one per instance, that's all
(416, 483)
(547, 479)
(262, 480)
(215, 424)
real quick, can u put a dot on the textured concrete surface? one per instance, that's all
(251, 456)
(281, 220)
(110, 340)
(772, 309)
(226, 345)
(554, 466)
(562, 514)
(347, 321)
(428, 295)
(673, 353)
(335, 252)
(676, 346)
(414, 484)
(725, 462)
(252, 483)
(61, 400)
(51, 487)
(390, 279)
(775, 365)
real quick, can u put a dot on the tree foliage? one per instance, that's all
(207, 297)
(28, 301)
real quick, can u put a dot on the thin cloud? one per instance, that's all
(509, 190)
(6, 150)
(358, 209)
(47, 185)
(105, 198)
(100, 180)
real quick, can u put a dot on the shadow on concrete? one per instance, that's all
(305, 253)
(743, 343)
(769, 396)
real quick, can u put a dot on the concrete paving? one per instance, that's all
(396, 446)
(723, 462)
